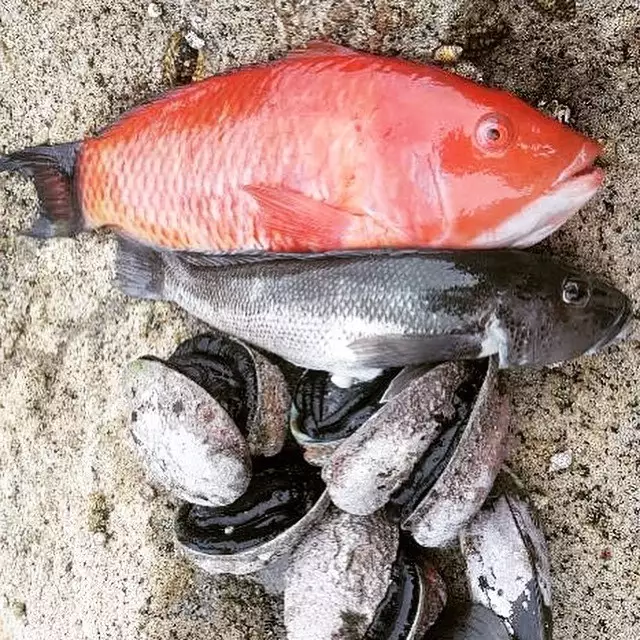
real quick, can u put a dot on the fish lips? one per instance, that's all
(619, 329)
(568, 194)
(572, 189)
(582, 166)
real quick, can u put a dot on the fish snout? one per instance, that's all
(581, 166)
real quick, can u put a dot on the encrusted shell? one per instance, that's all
(338, 576)
(464, 484)
(352, 577)
(197, 417)
(255, 531)
(373, 463)
(188, 442)
(508, 567)
(236, 368)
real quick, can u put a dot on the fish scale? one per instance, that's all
(284, 309)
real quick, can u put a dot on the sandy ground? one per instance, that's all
(85, 544)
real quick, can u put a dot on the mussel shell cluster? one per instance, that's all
(347, 487)
(199, 417)
(428, 444)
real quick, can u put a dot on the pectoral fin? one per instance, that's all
(296, 222)
(385, 352)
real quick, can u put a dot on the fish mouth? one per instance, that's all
(571, 190)
(582, 166)
(618, 331)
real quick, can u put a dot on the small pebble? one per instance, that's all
(194, 40)
(560, 461)
(154, 10)
(148, 493)
(100, 538)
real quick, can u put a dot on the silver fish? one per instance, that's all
(355, 314)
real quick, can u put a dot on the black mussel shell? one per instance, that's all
(325, 413)
(413, 599)
(225, 369)
(282, 491)
(508, 566)
(425, 474)
(474, 623)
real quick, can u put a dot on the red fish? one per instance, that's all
(326, 149)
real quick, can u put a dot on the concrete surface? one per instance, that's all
(85, 544)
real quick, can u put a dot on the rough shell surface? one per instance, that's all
(338, 576)
(238, 376)
(372, 463)
(187, 441)
(464, 485)
(267, 436)
(508, 567)
(264, 555)
(433, 599)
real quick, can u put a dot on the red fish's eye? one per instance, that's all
(494, 133)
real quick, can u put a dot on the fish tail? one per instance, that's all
(52, 169)
(139, 270)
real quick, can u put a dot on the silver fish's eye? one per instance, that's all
(576, 292)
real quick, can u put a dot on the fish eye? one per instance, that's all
(576, 292)
(494, 133)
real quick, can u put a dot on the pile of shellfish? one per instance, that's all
(342, 493)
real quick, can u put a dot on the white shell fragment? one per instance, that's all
(338, 576)
(560, 461)
(466, 481)
(378, 458)
(188, 442)
(508, 567)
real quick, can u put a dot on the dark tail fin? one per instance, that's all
(139, 270)
(52, 169)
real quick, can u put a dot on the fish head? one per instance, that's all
(508, 174)
(559, 314)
